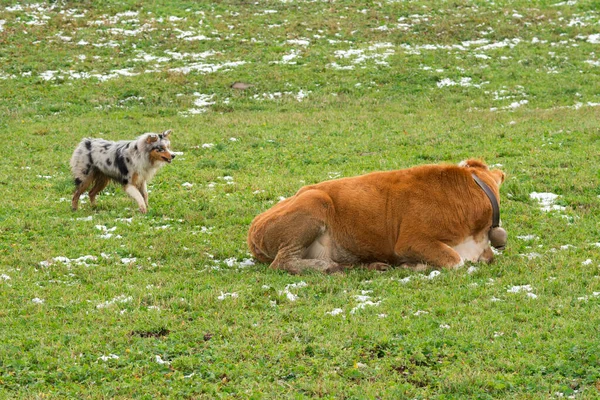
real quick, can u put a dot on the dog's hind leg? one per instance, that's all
(81, 186)
(137, 196)
(101, 182)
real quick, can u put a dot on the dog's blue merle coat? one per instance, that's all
(130, 163)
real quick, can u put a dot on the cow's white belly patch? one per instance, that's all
(471, 249)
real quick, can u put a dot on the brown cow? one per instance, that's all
(430, 215)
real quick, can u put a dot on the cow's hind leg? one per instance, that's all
(289, 229)
(290, 259)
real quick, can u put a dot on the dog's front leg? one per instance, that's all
(137, 196)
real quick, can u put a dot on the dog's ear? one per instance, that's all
(166, 133)
(153, 137)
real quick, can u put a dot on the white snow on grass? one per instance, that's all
(359, 57)
(159, 360)
(203, 100)
(531, 255)
(586, 298)
(546, 201)
(433, 274)
(464, 82)
(594, 39)
(301, 42)
(107, 232)
(528, 237)
(335, 311)
(199, 67)
(67, 261)
(364, 301)
(472, 270)
(37, 300)
(206, 68)
(233, 262)
(289, 295)
(108, 357)
(527, 289)
(121, 299)
(301, 95)
(224, 296)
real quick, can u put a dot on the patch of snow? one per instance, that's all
(546, 201)
(523, 288)
(433, 274)
(223, 296)
(109, 357)
(594, 39)
(528, 237)
(119, 299)
(161, 361)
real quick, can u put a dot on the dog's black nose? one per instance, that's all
(172, 156)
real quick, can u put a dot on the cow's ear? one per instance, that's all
(473, 163)
(498, 175)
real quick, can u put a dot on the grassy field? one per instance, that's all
(110, 303)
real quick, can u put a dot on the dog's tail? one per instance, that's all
(81, 161)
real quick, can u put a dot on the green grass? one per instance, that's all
(225, 329)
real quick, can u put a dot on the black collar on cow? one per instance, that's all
(497, 235)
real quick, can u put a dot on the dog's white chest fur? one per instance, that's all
(471, 249)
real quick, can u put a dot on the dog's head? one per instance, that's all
(158, 147)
